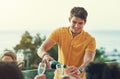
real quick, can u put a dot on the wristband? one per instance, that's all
(80, 69)
(44, 55)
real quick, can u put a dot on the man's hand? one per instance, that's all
(73, 72)
(46, 59)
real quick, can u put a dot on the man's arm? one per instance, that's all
(88, 57)
(42, 51)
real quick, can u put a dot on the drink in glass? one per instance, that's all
(61, 71)
(41, 68)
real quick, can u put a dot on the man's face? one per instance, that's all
(76, 24)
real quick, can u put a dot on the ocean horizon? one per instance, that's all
(104, 38)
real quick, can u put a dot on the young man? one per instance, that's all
(76, 47)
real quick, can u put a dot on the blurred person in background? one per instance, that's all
(101, 70)
(10, 70)
(42, 76)
(9, 56)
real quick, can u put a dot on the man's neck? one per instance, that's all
(75, 34)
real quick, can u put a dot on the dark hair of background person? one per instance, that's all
(115, 70)
(98, 70)
(9, 70)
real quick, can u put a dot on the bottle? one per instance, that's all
(54, 63)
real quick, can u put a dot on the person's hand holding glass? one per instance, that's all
(42, 76)
(20, 59)
(41, 71)
(73, 72)
(69, 72)
(61, 71)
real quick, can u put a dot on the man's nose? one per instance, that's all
(77, 25)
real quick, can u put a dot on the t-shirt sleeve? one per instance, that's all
(91, 46)
(54, 36)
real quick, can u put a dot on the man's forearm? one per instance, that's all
(89, 57)
(41, 53)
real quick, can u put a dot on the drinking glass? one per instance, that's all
(61, 71)
(20, 57)
(41, 68)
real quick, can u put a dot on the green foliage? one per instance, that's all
(25, 42)
(29, 45)
(54, 52)
(100, 55)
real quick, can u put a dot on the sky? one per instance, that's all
(49, 14)
(46, 15)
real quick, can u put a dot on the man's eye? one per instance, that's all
(74, 22)
(81, 23)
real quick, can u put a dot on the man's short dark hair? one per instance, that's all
(79, 12)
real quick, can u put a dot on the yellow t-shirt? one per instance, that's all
(71, 49)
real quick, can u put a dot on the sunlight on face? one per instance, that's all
(76, 25)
